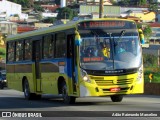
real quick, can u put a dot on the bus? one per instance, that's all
(67, 60)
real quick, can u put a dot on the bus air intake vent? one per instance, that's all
(102, 82)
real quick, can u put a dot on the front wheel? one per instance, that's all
(27, 94)
(26, 90)
(116, 98)
(67, 99)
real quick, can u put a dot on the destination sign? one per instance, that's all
(107, 24)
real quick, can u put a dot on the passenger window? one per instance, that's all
(48, 47)
(61, 45)
(10, 51)
(19, 50)
(28, 50)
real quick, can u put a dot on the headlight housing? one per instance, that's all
(85, 76)
(140, 74)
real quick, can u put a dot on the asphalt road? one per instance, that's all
(132, 107)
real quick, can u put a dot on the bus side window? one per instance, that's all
(61, 45)
(10, 50)
(48, 47)
(19, 50)
(28, 50)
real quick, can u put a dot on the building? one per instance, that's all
(155, 38)
(8, 28)
(9, 8)
(111, 11)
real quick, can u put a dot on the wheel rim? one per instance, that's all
(65, 94)
(26, 89)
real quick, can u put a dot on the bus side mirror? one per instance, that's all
(77, 38)
(141, 35)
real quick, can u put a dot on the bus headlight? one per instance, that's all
(140, 74)
(85, 76)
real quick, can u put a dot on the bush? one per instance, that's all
(150, 60)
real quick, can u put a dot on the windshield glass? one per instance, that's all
(110, 52)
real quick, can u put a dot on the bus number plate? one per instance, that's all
(117, 89)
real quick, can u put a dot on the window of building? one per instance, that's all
(48, 46)
(61, 45)
(28, 50)
(19, 50)
(10, 51)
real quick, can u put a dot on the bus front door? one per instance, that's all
(72, 63)
(36, 59)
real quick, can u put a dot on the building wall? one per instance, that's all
(145, 17)
(42, 25)
(44, 15)
(10, 8)
(107, 10)
(8, 28)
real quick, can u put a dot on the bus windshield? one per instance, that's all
(110, 52)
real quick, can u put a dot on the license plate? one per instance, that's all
(117, 89)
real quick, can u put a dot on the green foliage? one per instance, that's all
(150, 60)
(114, 2)
(16, 15)
(155, 72)
(142, 2)
(139, 25)
(153, 7)
(49, 20)
(3, 53)
(66, 13)
(147, 32)
(124, 2)
(38, 8)
(24, 3)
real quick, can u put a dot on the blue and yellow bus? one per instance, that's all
(97, 57)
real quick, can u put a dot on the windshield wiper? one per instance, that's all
(121, 35)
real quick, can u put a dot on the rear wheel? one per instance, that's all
(67, 99)
(116, 98)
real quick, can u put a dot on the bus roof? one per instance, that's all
(54, 28)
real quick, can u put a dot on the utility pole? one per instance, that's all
(101, 9)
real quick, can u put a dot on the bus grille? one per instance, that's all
(100, 81)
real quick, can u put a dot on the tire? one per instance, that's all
(27, 94)
(67, 99)
(116, 98)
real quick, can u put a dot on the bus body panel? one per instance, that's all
(102, 85)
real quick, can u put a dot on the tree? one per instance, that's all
(38, 8)
(124, 2)
(49, 20)
(147, 32)
(24, 3)
(153, 7)
(114, 2)
(142, 2)
(66, 13)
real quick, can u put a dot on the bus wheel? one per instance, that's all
(116, 98)
(67, 99)
(26, 88)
